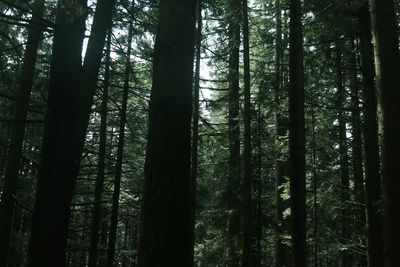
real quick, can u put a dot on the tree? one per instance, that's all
(373, 192)
(71, 89)
(297, 136)
(247, 164)
(167, 201)
(96, 218)
(8, 197)
(387, 63)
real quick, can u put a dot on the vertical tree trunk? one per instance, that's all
(343, 157)
(297, 136)
(166, 238)
(280, 131)
(112, 235)
(196, 115)
(356, 147)
(96, 218)
(23, 93)
(54, 188)
(71, 90)
(387, 65)
(233, 186)
(372, 159)
(314, 185)
(248, 172)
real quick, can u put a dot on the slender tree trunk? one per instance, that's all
(112, 235)
(314, 185)
(196, 115)
(372, 160)
(234, 170)
(248, 259)
(166, 238)
(71, 90)
(23, 93)
(343, 157)
(356, 147)
(97, 216)
(280, 131)
(297, 136)
(387, 65)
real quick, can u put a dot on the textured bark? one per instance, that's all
(97, 216)
(71, 90)
(112, 235)
(343, 156)
(387, 65)
(373, 192)
(297, 136)
(247, 258)
(23, 93)
(166, 238)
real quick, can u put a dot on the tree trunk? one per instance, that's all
(356, 147)
(372, 160)
(280, 132)
(343, 157)
(166, 238)
(196, 115)
(97, 216)
(248, 172)
(387, 65)
(112, 235)
(297, 136)
(71, 90)
(234, 170)
(23, 93)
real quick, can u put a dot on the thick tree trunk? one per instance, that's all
(23, 93)
(247, 166)
(112, 235)
(387, 65)
(97, 216)
(54, 189)
(71, 90)
(297, 136)
(166, 238)
(372, 160)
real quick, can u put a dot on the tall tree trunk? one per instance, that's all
(387, 65)
(343, 156)
(112, 235)
(71, 90)
(234, 170)
(54, 188)
(280, 131)
(297, 136)
(372, 160)
(166, 238)
(97, 218)
(248, 172)
(196, 116)
(23, 93)
(356, 147)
